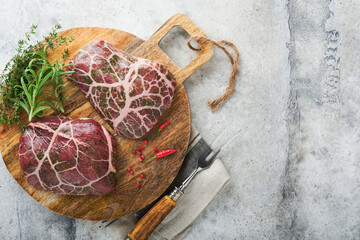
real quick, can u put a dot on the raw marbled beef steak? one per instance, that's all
(68, 156)
(130, 93)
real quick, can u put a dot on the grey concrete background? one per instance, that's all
(295, 169)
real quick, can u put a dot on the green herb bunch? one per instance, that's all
(26, 77)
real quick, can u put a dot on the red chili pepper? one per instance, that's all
(162, 154)
(161, 127)
(145, 141)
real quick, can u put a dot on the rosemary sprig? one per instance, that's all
(27, 75)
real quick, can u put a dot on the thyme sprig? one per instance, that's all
(26, 77)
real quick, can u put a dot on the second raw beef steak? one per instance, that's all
(130, 93)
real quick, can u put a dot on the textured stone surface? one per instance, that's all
(295, 169)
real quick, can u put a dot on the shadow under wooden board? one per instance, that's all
(159, 173)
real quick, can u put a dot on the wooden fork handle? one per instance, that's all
(148, 223)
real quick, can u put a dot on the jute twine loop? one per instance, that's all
(215, 104)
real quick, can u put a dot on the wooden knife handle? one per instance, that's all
(148, 223)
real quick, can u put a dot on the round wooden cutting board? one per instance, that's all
(159, 173)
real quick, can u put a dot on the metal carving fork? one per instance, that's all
(148, 223)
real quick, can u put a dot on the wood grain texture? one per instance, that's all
(150, 49)
(127, 197)
(147, 224)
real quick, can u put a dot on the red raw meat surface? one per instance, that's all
(68, 156)
(130, 93)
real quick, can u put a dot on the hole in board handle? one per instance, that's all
(174, 45)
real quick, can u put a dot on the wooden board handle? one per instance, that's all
(148, 223)
(150, 49)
